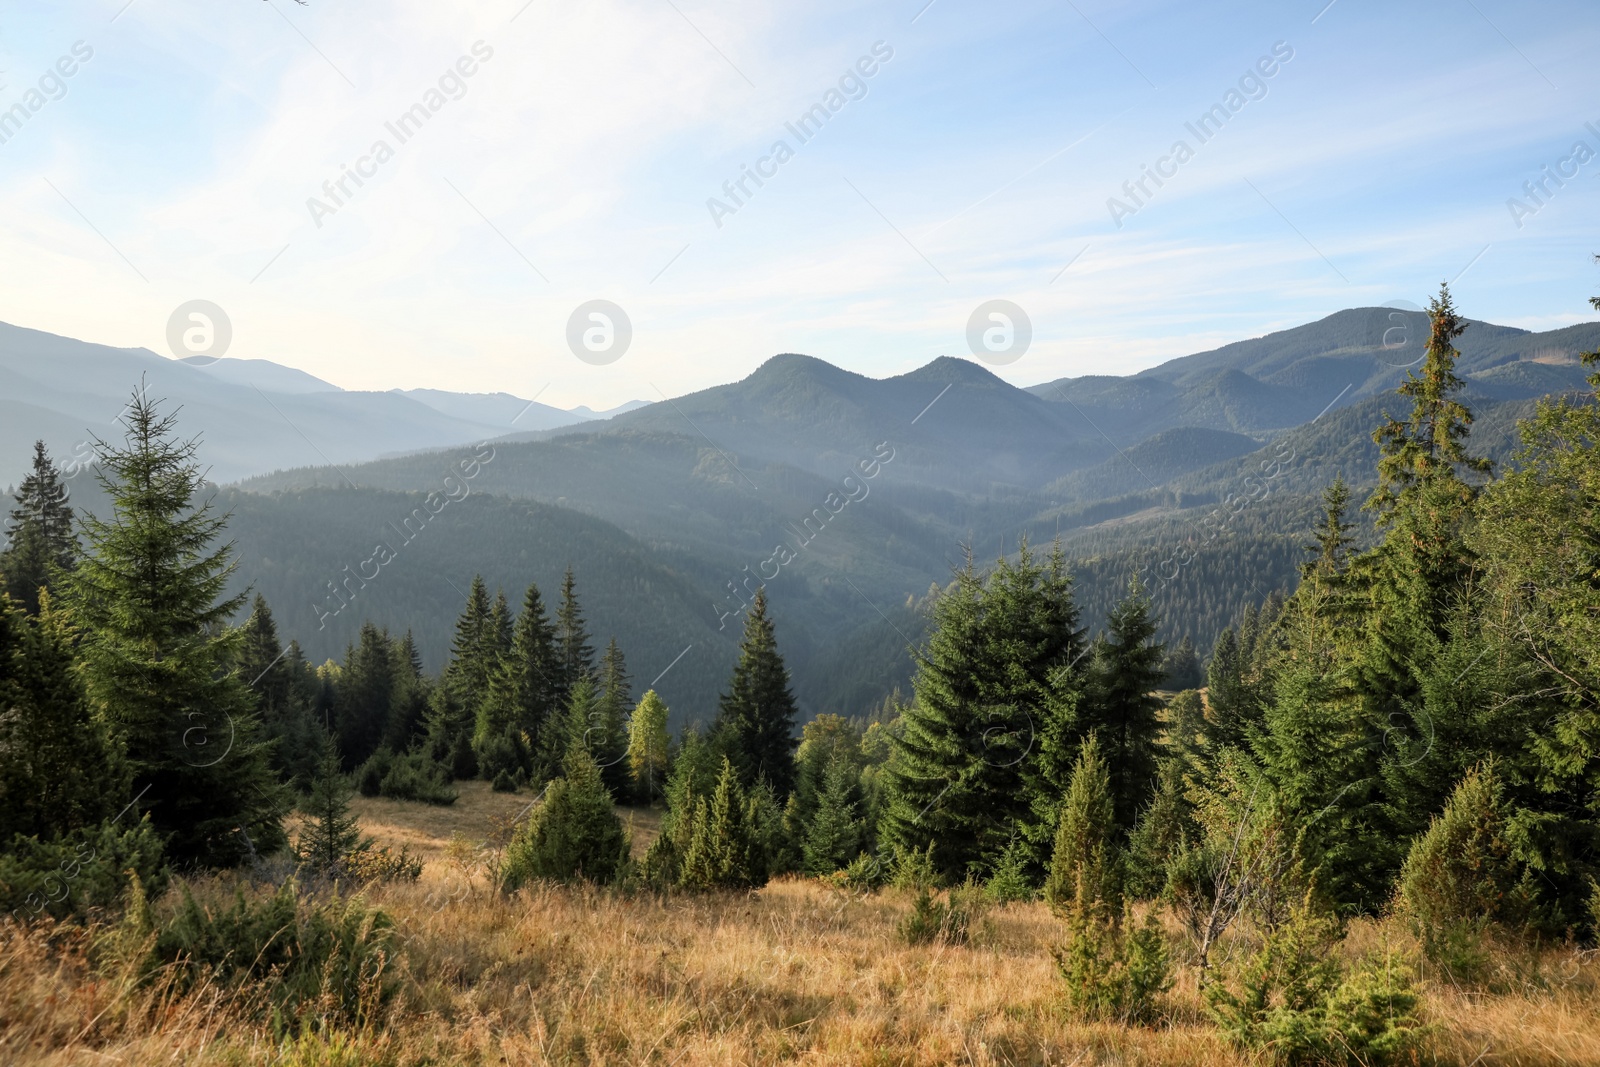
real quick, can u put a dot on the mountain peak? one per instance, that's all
(953, 370)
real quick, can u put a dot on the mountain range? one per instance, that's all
(671, 513)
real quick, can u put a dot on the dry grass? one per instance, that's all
(794, 972)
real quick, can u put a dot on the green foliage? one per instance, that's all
(331, 833)
(40, 545)
(1086, 858)
(1009, 880)
(575, 834)
(756, 716)
(1113, 969)
(285, 691)
(835, 833)
(911, 868)
(995, 676)
(59, 769)
(1462, 875)
(721, 852)
(81, 873)
(503, 783)
(609, 734)
(408, 776)
(648, 748)
(324, 960)
(157, 654)
(1119, 704)
(947, 918)
(1165, 830)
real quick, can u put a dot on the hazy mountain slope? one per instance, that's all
(495, 409)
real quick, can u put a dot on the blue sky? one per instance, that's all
(977, 162)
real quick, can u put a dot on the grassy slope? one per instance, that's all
(796, 972)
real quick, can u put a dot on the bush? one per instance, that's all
(503, 783)
(79, 873)
(330, 956)
(407, 776)
(1009, 880)
(1291, 1001)
(862, 875)
(1114, 970)
(949, 918)
(573, 835)
(913, 869)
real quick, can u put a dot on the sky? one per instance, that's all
(1368, 151)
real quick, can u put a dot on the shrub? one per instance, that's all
(79, 873)
(913, 869)
(503, 783)
(863, 874)
(406, 776)
(573, 835)
(722, 851)
(949, 918)
(330, 956)
(1009, 880)
(1114, 970)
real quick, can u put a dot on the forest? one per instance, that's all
(1363, 827)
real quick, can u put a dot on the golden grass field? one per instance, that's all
(795, 972)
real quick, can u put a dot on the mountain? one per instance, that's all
(256, 415)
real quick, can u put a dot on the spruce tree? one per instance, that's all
(158, 656)
(331, 834)
(1086, 858)
(408, 706)
(610, 739)
(574, 654)
(270, 671)
(575, 834)
(59, 770)
(648, 748)
(1181, 668)
(721, 852)
(985, 744)
(756, 716)
(365, 695)
(472, 661)
(833, 837)
(1120, 703)
(522, 697)
(41, 545)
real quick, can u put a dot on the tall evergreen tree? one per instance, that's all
(59, 770)
(157, 653)
(331, 835)
(40, 541)
(833, 835)
(609, 740)
(721, 852)
(408, 706)
(756, 716)
(1120, 704)
(523, 692)
(987, 742)
(574, 654)
(269, 670)
(1181, 668)
(365, 695)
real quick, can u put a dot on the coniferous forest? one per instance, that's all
(1362, 827)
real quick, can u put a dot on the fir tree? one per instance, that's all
(1181, 668)
(648, 746)
(365, 695)
(58, 767)
(833, 837)
(1120, 705)
(523, 691)
(408, 706)
(331, 835)
(610, 738)
(575, 834)
(574, 654)
(984, 745)
(720, 854)
(41, 544)
(157, 654)
(472, 650)
(1086, 856)
(756, 716)
(270, 670)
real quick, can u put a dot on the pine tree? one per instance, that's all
(756, 716)
(721, 853)
(41, 545)
(1120, 705)
(610, 740)
(523, 690)
(1333, 540)
(648, 746)
(157, 655)
(574, 834)
(1086, 857)
(466, 676)
(331, 835)
(58, 767)
(574, 654)
(269, 670)
(984, 745)
(1181, 668)
(365, 695)
(833, 837)
(408, 706)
